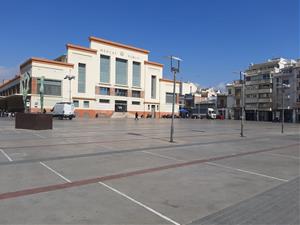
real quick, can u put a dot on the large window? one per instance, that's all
(106, 101)
(169, 97)
(76, 103)
(104, 91)
(153, 86)
(121, 92)
(136, 74)
(135, 103)
(86, 104)
(81, 77)
(51, 87)
(121, 71)
(136, 94)
(104, 69)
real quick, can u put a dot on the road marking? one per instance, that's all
(121, 175)
(163, 156)
(285, 156)
(140, 204)
(39, 135)
(246, 171)
(7, 156)
(57, 173)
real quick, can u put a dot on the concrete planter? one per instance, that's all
(33, 121)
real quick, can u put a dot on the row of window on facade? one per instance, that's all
(53, 87)
(119, 92)
(121, 75)
(86, 104)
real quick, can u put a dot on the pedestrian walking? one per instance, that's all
(136, 116)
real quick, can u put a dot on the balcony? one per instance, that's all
(268, 81)
(264, 90)
(251, 91)
(251, 100)
(264, 100)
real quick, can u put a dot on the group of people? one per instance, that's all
(142, 116)
(4, 113)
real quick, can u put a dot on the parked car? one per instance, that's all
(64, 110)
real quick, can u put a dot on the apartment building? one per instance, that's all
(234, 99)
(110, 78)
(286, 93)
(259, 88)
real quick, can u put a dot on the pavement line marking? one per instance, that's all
(94, 180)
(139, 203)
(6, 155)
(163, 156)
(246, 171)
(57, 173)
(285, 156)
(39, 135)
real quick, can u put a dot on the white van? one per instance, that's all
(211, 114)
(64, 110)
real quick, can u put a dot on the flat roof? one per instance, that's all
(45, 61)
(116, 44)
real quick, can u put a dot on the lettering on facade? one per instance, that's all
(119, 54)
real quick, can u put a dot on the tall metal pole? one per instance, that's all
(242, 103)
(70, 90)
(173, 108)
(282, 108)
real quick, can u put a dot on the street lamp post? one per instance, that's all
(242, 75)
(242, 103)
(175, 65)
(69, 77)
(283, 86)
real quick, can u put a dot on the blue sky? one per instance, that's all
(213, 37)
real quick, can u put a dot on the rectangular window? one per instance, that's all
(104, 91)
(136, 74)
(121, 71)
(121, 92)
(76, 103)
(81, 77)
(169, 97)
(153, 86)
(286, 81)
(136, 94)
(135, 103)
(51, 87)
(103, 100)
(86, 104)
(104, 69)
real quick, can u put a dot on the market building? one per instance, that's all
(110, 79)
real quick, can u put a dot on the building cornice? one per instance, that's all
(80, 48)
(168, 81)
(83, 98)
(157, 103)
(153, 63)
(10, 81)
(119, 45)
(45, 61)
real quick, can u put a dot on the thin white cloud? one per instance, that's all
(221, 86)
(7, 73)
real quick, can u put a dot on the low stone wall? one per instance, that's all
(33, 121)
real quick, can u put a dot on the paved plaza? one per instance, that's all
(121, 171)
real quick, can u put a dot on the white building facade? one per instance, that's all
(110, 78)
